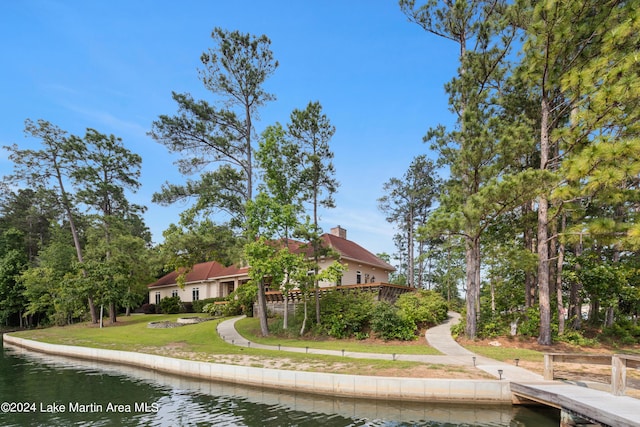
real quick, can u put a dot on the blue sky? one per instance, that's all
(111, 65)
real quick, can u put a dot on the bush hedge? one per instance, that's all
(170, 305)
(344, 314)
(198, 306)
(423, 308)
(148, 308)
(390, 323)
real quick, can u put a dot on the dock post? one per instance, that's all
(567, 419)
(548, 367)
(618, 375)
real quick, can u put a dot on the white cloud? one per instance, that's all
(108, 119)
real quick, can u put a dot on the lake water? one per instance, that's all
(43, 390)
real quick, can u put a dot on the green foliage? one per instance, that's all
(346, 313)
(54, 297)
(390, 323)
(198, 306)
(30, 212)
(170, 305)
(576, 338)
(530, 324)
(492, 328)
(458, 329)
(13, 262)
(191, 242)
(213, 309)
(423, 308)
(623, 332)
(241, 300)
(234, 70)
(407, 202)
(148, 308)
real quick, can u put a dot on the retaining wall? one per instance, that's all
(355, 386)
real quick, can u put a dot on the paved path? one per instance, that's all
(438, 337)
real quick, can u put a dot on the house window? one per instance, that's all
(358, 277)
(174, 293)
(157, 298)
(195, 294)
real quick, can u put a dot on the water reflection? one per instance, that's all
(158, 399)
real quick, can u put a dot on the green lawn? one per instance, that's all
(505, 354)
(132, 334)
(249, 328)
(200, 342)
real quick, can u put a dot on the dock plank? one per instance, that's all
(600, 406)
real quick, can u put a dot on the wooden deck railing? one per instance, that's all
(619, 364)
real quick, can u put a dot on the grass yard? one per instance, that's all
(506, 354)
(132, 334)
(201, 342)
(249, 328)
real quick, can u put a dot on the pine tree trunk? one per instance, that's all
(472, 253)
(559, 297)
(543, 245)
(410, 255)
(574, 296)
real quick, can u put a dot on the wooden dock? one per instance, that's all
(580, 403)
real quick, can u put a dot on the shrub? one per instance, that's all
(170, 305)
(389, 323)
(530, 325)
(241, 300)
(423, 308)
(148, 308)
(623, 332)
(576, 338)
(344, 314)
(362, 335)
(214, 309)
(457, 330)
(492, 328)
(199, 305)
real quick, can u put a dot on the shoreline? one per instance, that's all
(340, 385)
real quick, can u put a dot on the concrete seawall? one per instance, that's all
(354, 386)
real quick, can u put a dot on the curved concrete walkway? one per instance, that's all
(438, 337)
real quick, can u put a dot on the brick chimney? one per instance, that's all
(339, 231)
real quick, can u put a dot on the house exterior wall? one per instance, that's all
(222, 287)
(206, 289)
(368, 274)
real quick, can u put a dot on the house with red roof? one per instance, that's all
(212, 279)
